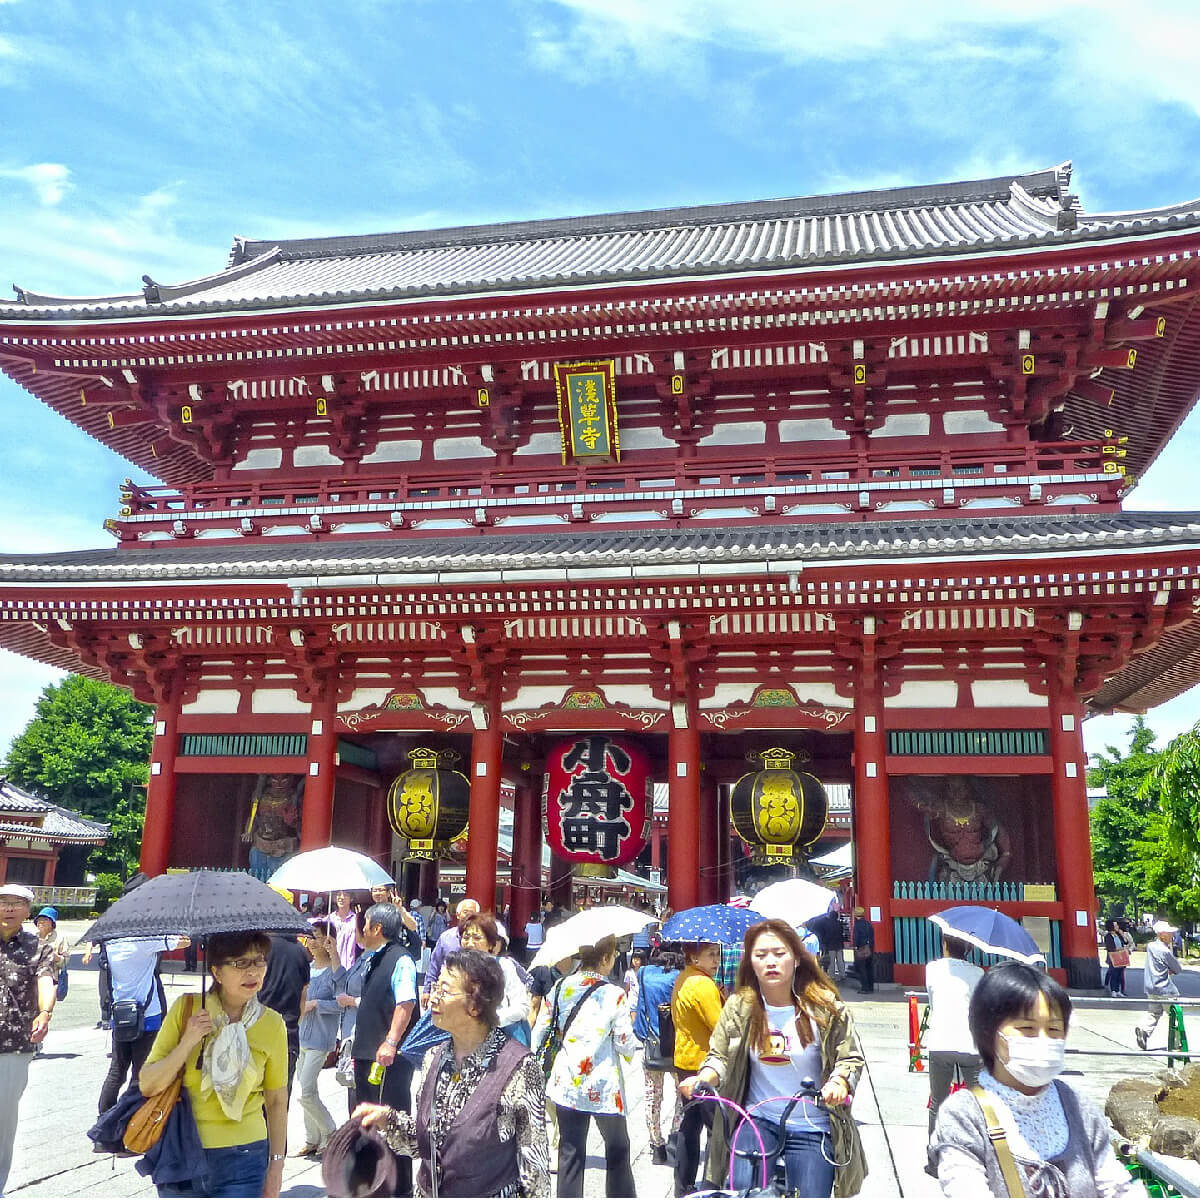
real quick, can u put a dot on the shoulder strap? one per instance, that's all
(643, 1004)
(579, 1004)
(995, 1131)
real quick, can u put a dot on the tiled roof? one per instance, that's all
(1011, 211)
(58, 824)
(644, 552)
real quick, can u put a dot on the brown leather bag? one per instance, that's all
(149, 1120)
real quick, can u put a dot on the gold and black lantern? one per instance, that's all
(777, 810)
(429, 803)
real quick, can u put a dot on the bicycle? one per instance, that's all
(771, 1140)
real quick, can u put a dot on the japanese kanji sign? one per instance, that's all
(596, 799)
(587, 410)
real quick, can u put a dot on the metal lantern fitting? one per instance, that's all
(429, 803)
(777, 810)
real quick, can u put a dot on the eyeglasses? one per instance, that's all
(443, 992)
(257, 963)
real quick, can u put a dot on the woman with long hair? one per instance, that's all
(784, 1024)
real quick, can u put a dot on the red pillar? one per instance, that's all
(427, 882)
(526, 856)
(872, 813)
(49, 869)
(1072, 834)
(683, 819)
(710, 855)
(316, 818)
(562, 882)
(726, 835)
(487, 752)
(656, 843)
(160, 791)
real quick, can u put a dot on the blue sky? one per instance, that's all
(140, 137)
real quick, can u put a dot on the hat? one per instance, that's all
(15, 889)
(860, 911)
(1164, 927)
(358, 1162)
(51, 914)
(415, 902)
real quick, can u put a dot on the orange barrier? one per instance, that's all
(915, 1061)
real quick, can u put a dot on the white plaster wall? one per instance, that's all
(636, 515)
(213, 700)
(277, 700)
(315, 456)
(974, 420)
(904, 506)
(407, 450)
(284, 530)
(645, 438)
(736, 433)
(364, 698)
(461, 447)
(1005, 693)
(446, 697)
(925, 693)
(634, 694)
(545, 443)
(1070, 499)
(448, 523)
(722, 514)
(820, 693)
(533, 519)
(532, 697)
(903, 425)
(261, 458)
(811, 429)
(992, 502)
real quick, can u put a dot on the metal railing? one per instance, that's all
(64, 897)
(923, 889)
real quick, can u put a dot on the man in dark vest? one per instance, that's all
(385, 1009)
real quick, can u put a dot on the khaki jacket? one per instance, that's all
(729, 1059)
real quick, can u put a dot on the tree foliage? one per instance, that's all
(87, 748)
(1175, 780)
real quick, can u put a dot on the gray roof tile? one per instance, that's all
(1032, 209)
(813, 543)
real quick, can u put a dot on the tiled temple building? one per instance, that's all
(839, 476)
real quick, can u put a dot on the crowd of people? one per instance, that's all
(515, 1064)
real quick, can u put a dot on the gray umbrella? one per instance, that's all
(197, 905)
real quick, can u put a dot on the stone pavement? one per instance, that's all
(54, 1158)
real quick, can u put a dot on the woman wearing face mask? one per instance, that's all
(1055, 1143)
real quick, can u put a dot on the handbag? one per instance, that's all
(129, 1017)
(658, 1051)
(1118, 958)
(147, 1123)
(552, 1043)
(343, 1071)
(862, 953)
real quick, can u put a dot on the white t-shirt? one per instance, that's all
(950, 983)
(780, 1072)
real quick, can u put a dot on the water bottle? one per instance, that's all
(375, 1074)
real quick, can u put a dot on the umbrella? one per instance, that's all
(795, 901)
(197, 905)
(711, 923)
(586, 929)
(330, 869)
(990, 930)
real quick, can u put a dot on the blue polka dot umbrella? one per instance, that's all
(721, 923)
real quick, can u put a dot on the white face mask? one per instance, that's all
(1035, 1061)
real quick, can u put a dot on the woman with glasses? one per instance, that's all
(478, 1128)
(234, 1057)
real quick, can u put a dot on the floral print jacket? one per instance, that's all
(587, 1074)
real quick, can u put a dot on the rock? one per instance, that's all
(1191, 1075)
(1132, 1109)
(1175, 1135)
(1171, 1078)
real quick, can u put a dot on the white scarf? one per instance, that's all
(226, 1067)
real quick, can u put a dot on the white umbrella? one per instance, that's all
(586, 929)
(330, 869)
(795, 901)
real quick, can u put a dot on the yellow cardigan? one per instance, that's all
(695, 1008)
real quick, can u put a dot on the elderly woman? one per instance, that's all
(1055, 1142)
(234, 1058)
(482, 932)
(593, 1019)
(786, 1024)
(479, 1118)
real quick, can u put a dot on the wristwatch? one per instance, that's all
(390, 1042)
(278, 1157)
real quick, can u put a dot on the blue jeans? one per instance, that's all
(227, 1171)
(807, 1161)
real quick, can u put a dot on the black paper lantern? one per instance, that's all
(778, 810)
(429, 804)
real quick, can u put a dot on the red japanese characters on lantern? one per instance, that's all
(597, 799)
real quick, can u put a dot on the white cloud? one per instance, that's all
(50, 181)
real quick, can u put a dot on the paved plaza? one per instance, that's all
(54, 1157)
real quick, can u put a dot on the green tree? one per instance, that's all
(1120, 820)
(1175, 781)
(87, 748)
